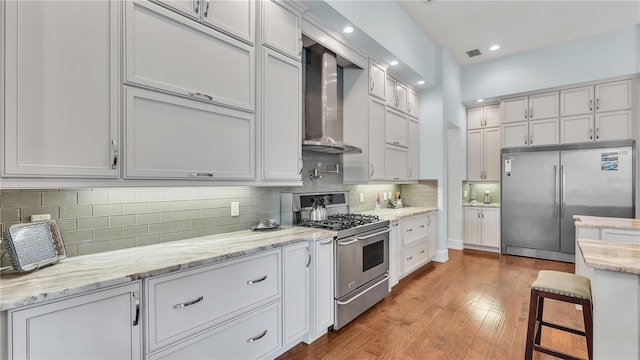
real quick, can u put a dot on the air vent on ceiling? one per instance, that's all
(474, 52)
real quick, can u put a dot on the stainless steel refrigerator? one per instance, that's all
(542, 188)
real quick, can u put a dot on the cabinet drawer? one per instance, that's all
(179, 305)
(168, 52)
(414, 256)
(414, 229)
(250, 337)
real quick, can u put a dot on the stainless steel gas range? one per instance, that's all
(361, 249)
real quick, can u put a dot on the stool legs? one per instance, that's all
(531, 324)
(587, 314)
(539, 319)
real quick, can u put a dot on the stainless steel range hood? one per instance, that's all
(323, 106)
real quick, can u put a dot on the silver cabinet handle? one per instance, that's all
(410, 230)
(200, 94)
(183, 305)
(136, 300)
(396, 143)
(373, 84)
(252, 339)
(422, 226)
(301, 165)
(409, 258)
(563, 192)
(114, 150)
(482, 212)
(597, 133)
(478, 214)
(372, 235)
(250, 282)
(206, 9)
(373, 170)
(409, 106)
(531, 113)
(591, 105)
(531, 139)
(590, 134)
(327, 242)
(197, 8)
(387, 277)
(396, 224)
(348, 242)
(308, 257)
(410, 172)
(201, 174)
(597, 104)
(421, 251)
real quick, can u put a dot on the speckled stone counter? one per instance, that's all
(397, 214)
(611, 256)
(80, 274)
(480, 204)
(606, 222)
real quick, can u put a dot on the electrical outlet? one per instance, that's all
(235, 208)
(40, 217)
(361, 197)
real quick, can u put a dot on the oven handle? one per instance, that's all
(364, 292)
(348, 242)
(372, 235)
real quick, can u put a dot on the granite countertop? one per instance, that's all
(397, 214)
(621, 257)
(481, 204)
(606, 222)
(75, 275)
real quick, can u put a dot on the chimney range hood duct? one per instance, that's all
(323, 107)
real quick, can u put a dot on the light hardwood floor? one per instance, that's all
(474, 306)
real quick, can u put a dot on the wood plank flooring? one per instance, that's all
(474, 306)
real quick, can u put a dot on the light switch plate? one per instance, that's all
(235, 208)
(361, 197)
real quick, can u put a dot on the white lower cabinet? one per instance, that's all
(395, 265)
(171, 137)
(415, 242)
(321, 310)
(482, 226)
(295, 295)
(104, 324)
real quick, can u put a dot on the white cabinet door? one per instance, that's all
(544, 132)
(200, 63)
(401, 93)
(235, 17)
(475, 118)
(613, 96)
(577, 101)
(396, 128)
(490, 235)
(377, 140)
(172, 137)
(281, 117)
(432, 234)
(190, 8)
(390, 92)
(100, 325)
(543, 106)
(614, 125)
(413, 150)
(377, 76)
(472, 223)
(322, 284)
(475, 157)
(281, 28)
(395, 253)
(413, 104)
(61, 104)
(515, 134)
(491, 153)
(396, 162)
(414, 256)
(492, 115)
(514, 110)
(576, 129)
(295, 295)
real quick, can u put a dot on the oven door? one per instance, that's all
(360, 259)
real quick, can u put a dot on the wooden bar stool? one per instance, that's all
(560, 286)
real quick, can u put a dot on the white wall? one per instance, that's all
(606, 55)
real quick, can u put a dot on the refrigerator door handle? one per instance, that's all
(563, 192)
(556, 189)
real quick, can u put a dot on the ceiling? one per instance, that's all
(517, 26)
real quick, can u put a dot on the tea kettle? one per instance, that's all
(319, 211)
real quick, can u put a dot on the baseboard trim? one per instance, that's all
(482, 248)
(455, 244)
(442, 256)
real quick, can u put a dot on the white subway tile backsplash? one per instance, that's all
(190, 215)
(147, 240)
(200, 223)
(122, 243)
(152, 218)
(26, 212)
(91, 197)
(181, 205)
(77, 237)
(191, 233)
(67, 225)
(107, 209)
(10, 215)
(107, 234)
(148, 195)
(171, 236)
(60, 198)
(122, 196)
(76, 211)
(159, 206)
(135, 208)
(99, 222)
(136, 230)
(171, 216)
(21, 199)
(161, 228)
(122, 220)
(92, 248)
(181, 225)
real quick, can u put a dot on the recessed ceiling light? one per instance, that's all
(347, 30)
(480, 100)
(494, 47)
(393, 63)
(420, 82)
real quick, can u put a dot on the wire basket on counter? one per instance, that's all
(34, 245)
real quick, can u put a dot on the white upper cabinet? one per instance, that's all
(482, 117)
(281, 28)
(483, 154)
(544, 132)
(281, 117)
(396, 94)
(172, 137)
(413, 104)
(543, 106)
(577, 101)
(514, 110)
(377, 76)
(532, 120)
(377, 113)
(576, 129)
(167, 52)
(396, 128)
(401, 94)
(396, 162)
(492, 154)
(234, 17)
(515, 134)
(613, 125)
(61, 89)
(413, 150)
(613, 96)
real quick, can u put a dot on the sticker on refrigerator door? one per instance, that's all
(507, 167)
(609, 161)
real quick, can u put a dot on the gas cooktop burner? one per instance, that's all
(342, 221)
